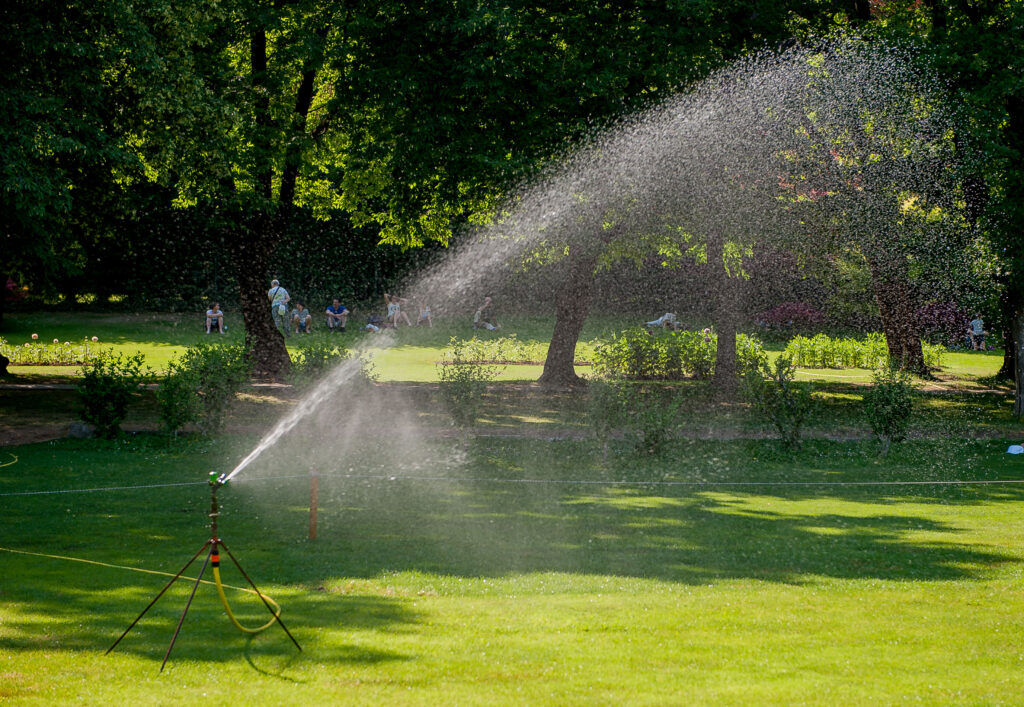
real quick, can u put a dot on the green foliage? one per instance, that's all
(888, 404)
(200, 385)
(504, 349)
(313, 360)
(652, 418)
(649, 417)
(108, 384)
(773, 392)
(55, 354)
(606, 411)
(823, 351)
(634, 354)
(464, 380)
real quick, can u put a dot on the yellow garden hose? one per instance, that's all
(215, 562)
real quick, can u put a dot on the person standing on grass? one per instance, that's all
(214, 318)
(279, 300)
(976, 331)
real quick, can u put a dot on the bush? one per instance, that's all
(312, 361)
(464, 380)
(651, 418)
(200, 385)
(822, 351)
(888, 405)
(772, 391)
(108, 384)
(634, 354)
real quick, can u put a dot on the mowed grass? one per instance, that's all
(515, 571)
(515, 564)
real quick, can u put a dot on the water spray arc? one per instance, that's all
(213, 547)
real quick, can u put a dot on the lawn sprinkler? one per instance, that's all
(213, 547)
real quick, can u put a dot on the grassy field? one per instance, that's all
(727, 573)
(518, 564)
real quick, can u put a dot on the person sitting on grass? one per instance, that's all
(214, 318)
(302, 319)
(425, 315)
(484, 317)
(337, 316)
(395, 310)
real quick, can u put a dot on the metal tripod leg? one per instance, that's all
(162, 591)
(206, 562)
(277, 616)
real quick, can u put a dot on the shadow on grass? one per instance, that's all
(54, 604)
(507, 508)
(691, 537)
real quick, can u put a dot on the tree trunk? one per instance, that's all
(1018, 336)
(573, 305)
(896, 300)
(250, 254)
(1009, 308)
(725, 380)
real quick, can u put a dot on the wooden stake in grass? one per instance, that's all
(314, 479)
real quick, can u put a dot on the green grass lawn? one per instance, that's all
(517, 564)
(720, 573)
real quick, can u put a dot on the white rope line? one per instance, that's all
(612, 482)
(102, 488)
(562, 482)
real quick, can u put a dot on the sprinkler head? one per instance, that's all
(217, 481)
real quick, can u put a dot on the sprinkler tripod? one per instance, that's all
(212, 558)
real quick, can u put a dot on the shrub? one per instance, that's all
(634, 354)
(651, 418)
(773, 392)
(696, 352)
(822, 351)
(464, 381)
(108, 384)
(201, 384)
(750, 354)
(888, 405)
(312, 361)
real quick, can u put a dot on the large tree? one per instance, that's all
(65, 109)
